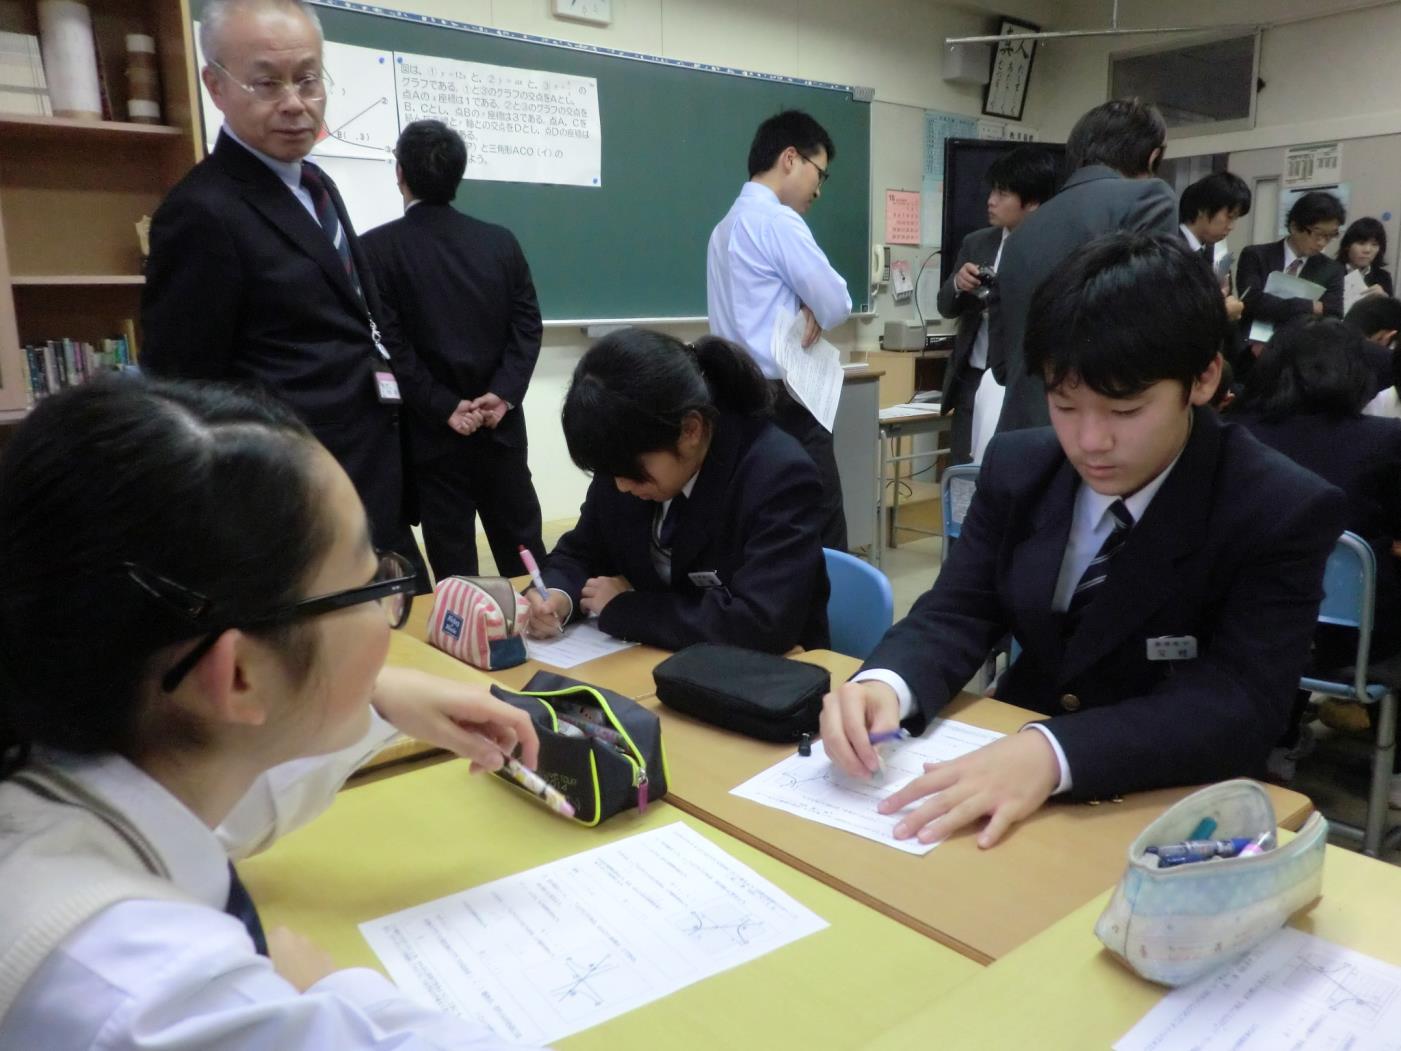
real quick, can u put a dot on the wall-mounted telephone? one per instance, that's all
(880, 265)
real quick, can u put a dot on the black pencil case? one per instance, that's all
(609, 756)
(756, 694)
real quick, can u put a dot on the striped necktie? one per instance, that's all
(1293, 268)
(314, 182)
(1097, 572)
(240, 906)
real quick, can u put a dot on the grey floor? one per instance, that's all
(1334, 777)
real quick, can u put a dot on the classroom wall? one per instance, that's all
(1330, 66)
(893, 46)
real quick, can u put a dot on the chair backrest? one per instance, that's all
(1349, 594)
(861, 607)
(956, 489)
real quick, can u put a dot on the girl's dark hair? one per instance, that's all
(633, 389)
(1124, 312)
(1364, 229)
(1311, 365)
(186, 486)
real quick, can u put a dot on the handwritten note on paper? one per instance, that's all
(902, 217)
(811, 787)
(580, 642)
(813, 375)
(548, 952)
(1292, 991)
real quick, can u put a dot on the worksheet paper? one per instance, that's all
(559, 948)
(1292, 991)
(1284, 286)
(580, 642)
(813, 375)
(811, 787)
(909, 408)
(1354, 288)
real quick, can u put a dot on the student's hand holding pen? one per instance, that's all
(545, 615)
(462, 718)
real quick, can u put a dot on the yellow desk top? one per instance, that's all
(982, 903)
(1062, 992)
(423, 835)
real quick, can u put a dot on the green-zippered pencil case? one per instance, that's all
(601, 749)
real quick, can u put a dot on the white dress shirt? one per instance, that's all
(1218, 250)
(147, 975)
(290, 172)
(762, 257)
(1090, 523)
(978, 352)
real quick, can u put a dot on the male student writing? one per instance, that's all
(1160, 569)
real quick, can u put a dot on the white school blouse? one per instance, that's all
(147, 975)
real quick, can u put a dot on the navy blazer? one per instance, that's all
(1361, 455)
(461, 306)
(1231, 551)
(752, 519)
(979, 247)
(1094, 201)
(1258, 262)
(243, 285)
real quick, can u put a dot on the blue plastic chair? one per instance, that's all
(956, 489)
(1349, 595)
(861, 606)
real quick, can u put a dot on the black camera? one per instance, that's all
(987, 281)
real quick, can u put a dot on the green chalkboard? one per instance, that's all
(675, 140)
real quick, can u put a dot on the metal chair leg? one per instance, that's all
(1381, 775)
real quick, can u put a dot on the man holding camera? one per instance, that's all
(1018, 182)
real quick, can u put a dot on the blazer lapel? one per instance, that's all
(1143, 574)
(708, 497)
(269, 196)
(1036, 560)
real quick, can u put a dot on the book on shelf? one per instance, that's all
(58, 364)
(23, 87)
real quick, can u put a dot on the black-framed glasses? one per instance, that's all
(309, 87)
(392, 586)
(822, 173)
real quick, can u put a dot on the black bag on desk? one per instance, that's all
(609, 759)
(756, 694)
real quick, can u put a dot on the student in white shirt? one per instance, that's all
(193, 627)
(1208, 213)
(762, 257)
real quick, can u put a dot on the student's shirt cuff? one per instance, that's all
(896, 683)
(1064, 785)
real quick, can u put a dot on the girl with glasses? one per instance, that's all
(193, 628)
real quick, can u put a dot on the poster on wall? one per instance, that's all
(1317, 164)
(1005, 95)
(938, 127)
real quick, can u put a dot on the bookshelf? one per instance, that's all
(71, 192)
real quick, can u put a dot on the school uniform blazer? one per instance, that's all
(752, 519)
(1095, 200)
(979, 247)
(1258, 262)
(1230, 552)
(460, 302)
(244, 286)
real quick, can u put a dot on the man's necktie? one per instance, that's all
(1098, 570)
(667, 532)
(1208, 252)
(241, 908)
(1293, 268)
(315, 184)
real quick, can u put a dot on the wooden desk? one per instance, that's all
(982, 903)
(1062, 991)
(424, 835)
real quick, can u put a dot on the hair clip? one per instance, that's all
(188, 603)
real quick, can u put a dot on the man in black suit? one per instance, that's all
(1018, 182)
(461, 306)
(1313, 221)
(255, 274)
(1113, 151)
(1161, 570)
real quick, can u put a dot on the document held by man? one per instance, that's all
(813, 375)
(562, 947)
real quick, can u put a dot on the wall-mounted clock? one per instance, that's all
(598, 12)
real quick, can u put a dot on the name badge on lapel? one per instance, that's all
(1173, 648)
(706, 578)
(387, 387)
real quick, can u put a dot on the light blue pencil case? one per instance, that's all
(1173, 925)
